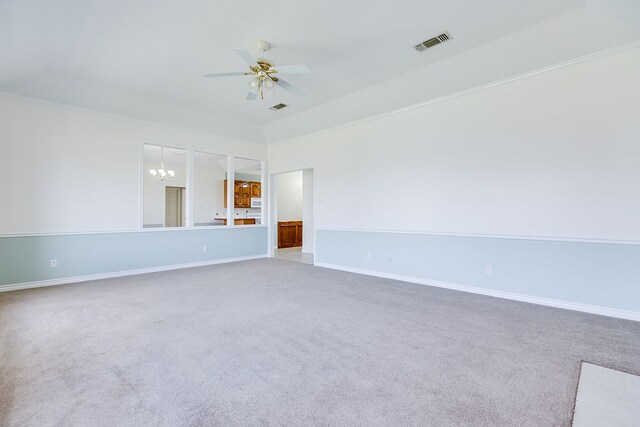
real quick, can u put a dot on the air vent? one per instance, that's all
(278, 107)
(433, 42)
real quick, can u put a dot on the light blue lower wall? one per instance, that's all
(600, 274)
(26, 258)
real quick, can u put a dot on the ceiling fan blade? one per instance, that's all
(293, 69)
(289, 87)
(209, 75)
(246, 56)
(251, 96)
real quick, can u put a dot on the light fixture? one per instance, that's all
(161, 173)
(263, 84)
(265, 76)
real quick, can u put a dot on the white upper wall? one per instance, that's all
(208, 193)
(555, 154)
(289, 196)
(71, 170)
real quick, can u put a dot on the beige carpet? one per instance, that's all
(272, 342)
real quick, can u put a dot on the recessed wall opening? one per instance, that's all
(164, 186)
(292, 230)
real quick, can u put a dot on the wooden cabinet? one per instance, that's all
(242, 194)
(256, 189)
(289, 234)
(243, 191)
(244, 221)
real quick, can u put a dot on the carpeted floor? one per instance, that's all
(280, 343)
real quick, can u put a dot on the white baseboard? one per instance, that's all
(110, 275)
(567, 305)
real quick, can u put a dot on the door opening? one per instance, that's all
(292, 213)
(175, 208)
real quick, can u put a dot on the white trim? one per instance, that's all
(110, 275)
(488, 236)
(143, 230)
(141, 187)
(548, 68)
(231, 191)
(567, 305)
(190, 189)
(273, 215)
(198, 227)
(264, 189)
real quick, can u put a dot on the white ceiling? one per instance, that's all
(144, 58)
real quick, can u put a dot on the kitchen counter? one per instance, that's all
(238, 221)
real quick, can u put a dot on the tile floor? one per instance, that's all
(294, 254)
(606, 397)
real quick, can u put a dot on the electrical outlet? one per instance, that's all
(389, 259)
(489, 270)
(368, 256)
(53, 263)
(205, 249)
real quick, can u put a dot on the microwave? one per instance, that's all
(256, 202)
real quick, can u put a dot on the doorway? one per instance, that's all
(175, 208)
(292, 213)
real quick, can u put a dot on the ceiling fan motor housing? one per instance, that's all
(263, 45)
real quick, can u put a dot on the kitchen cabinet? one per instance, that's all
(289, 234)
(256, 189)
(243, 191)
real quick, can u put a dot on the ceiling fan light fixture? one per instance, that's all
(263, 72)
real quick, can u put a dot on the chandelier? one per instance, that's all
(161, 173)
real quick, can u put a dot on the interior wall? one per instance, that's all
(289, 196)
(553, 155)
(72, 170)
(308, 222)
(24, 260)
(550, 155)
(73, 183)
(208, 193)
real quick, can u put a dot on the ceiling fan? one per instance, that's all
(264, 72)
